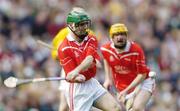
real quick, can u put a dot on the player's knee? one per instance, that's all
(137, 107)
(116, 107)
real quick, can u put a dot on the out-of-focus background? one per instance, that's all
(154, 24)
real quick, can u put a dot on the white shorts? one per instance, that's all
(148, 85)
(81, 96)
(63, 84)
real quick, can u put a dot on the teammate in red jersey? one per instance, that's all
(125, 65)
(77, 55)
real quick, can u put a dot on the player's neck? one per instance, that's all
(120, 49)
(76, 38)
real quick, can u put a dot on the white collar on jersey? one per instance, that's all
(71, 38)
(127, 48)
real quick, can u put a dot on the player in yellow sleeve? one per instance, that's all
(57, 41)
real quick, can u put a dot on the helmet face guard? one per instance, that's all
(118, 29)
(79, 23)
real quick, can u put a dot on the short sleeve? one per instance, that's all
(140, 63)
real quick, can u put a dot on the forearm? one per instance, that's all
(136, 81)
(108, 76)
(85, 64)
(107, 71)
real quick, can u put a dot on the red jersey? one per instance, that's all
(126, 65)
(71, 54)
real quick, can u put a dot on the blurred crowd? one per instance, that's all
(154, 24)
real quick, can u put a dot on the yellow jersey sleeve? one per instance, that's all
(57, 41)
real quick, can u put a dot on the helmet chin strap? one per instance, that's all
(82, 36)
(79, 36)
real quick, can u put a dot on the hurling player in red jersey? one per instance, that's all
(78, 54)
(125, 66)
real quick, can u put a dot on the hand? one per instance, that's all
(72, 75)
(80, 78)
(122, 96)
(107, 84)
